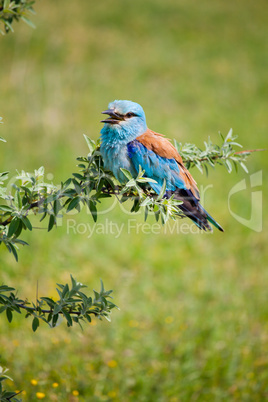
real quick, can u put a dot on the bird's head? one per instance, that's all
(126, 121)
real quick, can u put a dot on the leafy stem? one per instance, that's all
(73, 305)
(29, 194)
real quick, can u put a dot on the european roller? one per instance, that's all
(127, 142)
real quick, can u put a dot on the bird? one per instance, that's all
(127, 142)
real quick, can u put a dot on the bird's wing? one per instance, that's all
(160, 160)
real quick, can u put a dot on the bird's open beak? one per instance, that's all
(114, 118)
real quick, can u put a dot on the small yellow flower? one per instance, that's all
(75, 392)
(24, 392)
(133, 323)
(34, 382)
(169, 319)
(40, 395)
(112, 394)
(16, 342)
(90, 366)
(55, 385)
(112, 363)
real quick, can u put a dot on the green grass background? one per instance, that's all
(193, 319)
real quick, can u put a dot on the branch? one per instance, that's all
(7, 395)
(30, 194)
(224, 154)
(15, 10)
(73, 305)
(248, 152)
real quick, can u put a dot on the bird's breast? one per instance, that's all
(116, 157)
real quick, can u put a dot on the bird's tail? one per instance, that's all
(200, 217)
(194, 210)
(210, 219)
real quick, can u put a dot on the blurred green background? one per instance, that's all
(193, 319)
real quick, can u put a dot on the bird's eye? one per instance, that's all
(130, 114)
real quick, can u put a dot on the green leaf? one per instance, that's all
(244, 167)
(77, 186)
(90, 143)
(228, 165)
(229, 135)
(4, 175)
(35, 324)
(43, 217)
(73, 281)
(146, 180)
(162, 192)
(126, 173)
(136, 205)
(8, 26)
(65, 290)
(146, 211)
(68, 317)
(13, 226)
(102, 287)
(51, 222)
(28, 22)
(93, 209)
(73, 204)
(57, 309)
(9, 314)
(88, 317)
(56, 207)
(6, 208)
(2, 309)
(13, 250)
(55, 319)
(27, 223)
(8, 395)
(66, 183)
(78, 175)
(18, 201)
(6, 4)
(19, 241)
(5, 288)
(50, 302)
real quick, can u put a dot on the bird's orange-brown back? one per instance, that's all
(162, 146)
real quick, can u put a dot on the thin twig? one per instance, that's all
(250, 151)
(214, 157)
(50, 311)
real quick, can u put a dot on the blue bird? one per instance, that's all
(127, 142)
